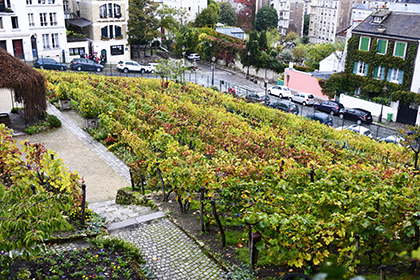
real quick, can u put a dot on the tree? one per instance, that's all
(267, 18)
(318, 52)
(291, 36)
(207, 18)
(273, 37)
(306, 24)
(287, 55)
(246, 16)
(213, 4)
(227, 14)
(412, 140)
(143, 24)
(299, 52)
(304, 39)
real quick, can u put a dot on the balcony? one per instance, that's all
(7, 10)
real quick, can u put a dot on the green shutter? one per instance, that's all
(366, 68)
(400, 77)
(375, 72)
(381, 46)
(364, 44)
(399, 49)
(382, 73)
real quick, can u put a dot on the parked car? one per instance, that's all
(280, 91)
(395, 139)
(356, 114)
(130, 66)
(330, 107)
(286, 106)
(49, 63)
(321, 118)
(253, 98)
(151, 67)
(303, 98)
(358, 129)
(84, 64)
(194, 56)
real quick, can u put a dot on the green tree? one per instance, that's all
(207, 18)
(306, 24)
(267, 18)
(304, 39)
(299, 52)
(412, 140)
(227, 14)
(142, 24)
(291, 36)
(213, 4)
(273, 37)
(318, 52)
(287, 55)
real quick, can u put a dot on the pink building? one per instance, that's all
(303, 81)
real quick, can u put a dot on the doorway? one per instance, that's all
(34, 47)
(18, 48)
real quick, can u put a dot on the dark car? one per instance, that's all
(356, 114)
(330, 107)
(286, 106)
(49, 63)
(321, 118)
(84, 64)
(253, 98)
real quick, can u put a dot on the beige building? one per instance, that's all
(104, 23)
(328, 17)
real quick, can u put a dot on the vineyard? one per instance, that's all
(311, 191)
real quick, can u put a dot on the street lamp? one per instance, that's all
(213, 59)
(183, 61)
(384, 89)
(247, 71)
(210, 45)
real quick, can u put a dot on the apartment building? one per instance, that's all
(328, 17)
(33, 28)
(283, 11)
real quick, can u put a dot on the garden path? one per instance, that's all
(169, 252)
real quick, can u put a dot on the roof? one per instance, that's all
(80, 22)
(397, 24)
(27, 84)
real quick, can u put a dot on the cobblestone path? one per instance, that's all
(170, 253)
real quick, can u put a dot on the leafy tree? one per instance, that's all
(187, 37)
(143, 24)
(227, 14)
(304, 39)
(412, 140)
(306, 24)
(213, 4)
(287, 55)
(299, 52)
(273, 37)
(267, 18)
(246, 16)
(318, 52)
(207, 18)
(291, 36)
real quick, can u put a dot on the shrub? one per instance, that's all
(53, 121)
(88, 107)
(15, 110)
(31, 130)
(76, 213)
(63, 91)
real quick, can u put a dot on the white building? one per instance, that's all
(33, 28)
(192, 7)
(283, 11)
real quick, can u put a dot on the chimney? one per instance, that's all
(381, 28)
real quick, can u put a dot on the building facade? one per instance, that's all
(33, 28)
(383, 52)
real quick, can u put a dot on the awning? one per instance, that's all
(80, 22)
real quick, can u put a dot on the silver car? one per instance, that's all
(280, 91)
(303, 98)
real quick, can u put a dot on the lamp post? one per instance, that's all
(384, 89)
(210, 45)
(247, 71)
(287, 78)
(213, 59)
(183, 61)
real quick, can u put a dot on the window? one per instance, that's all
(104, 31)
(41, 1)
(377, 19)
(76, 51)
(1, 23)
(15, 24)
(296, 5)
(54, 40)
(382, 44)
(117, 50)
(110, 10)
(43, 19)
(364, 44)
(379, 72)
(51, 1)
(66, 5)
(395, 75)
(46, 41)
(117, 11)
(28, 2)
(31, 20)
(53, 19)
(360, 68)
(400, 49)
(102, 11)
(111, 31)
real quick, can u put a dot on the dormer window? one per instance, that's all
(377, 19)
